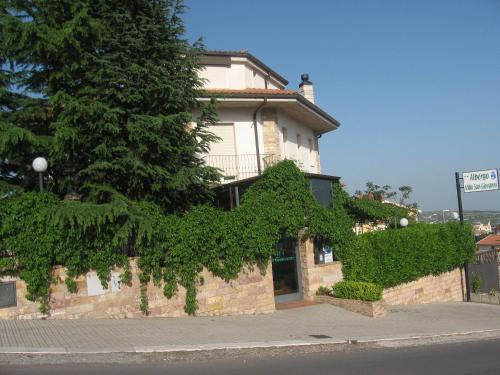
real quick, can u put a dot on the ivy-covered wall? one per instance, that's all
(394, 257)
(40, 231)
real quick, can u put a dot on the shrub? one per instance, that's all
(357, 290)
(393, 257)
(475, 283)
(323, 291)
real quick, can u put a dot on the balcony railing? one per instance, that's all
(239, 167)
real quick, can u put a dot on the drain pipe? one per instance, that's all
(259, 166)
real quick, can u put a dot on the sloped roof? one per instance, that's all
(491, 240)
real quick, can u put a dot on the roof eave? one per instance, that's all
(299, 98)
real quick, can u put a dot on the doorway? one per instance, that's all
(286, 271)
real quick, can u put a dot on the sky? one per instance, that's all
(414, 84)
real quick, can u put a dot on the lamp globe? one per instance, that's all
(40, 165)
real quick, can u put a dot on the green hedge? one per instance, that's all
(364, 209)
(393, 257)
(357, 290)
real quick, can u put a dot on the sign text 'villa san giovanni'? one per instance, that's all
(480, 180)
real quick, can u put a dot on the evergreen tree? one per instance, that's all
(113, 85)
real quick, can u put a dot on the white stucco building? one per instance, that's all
(260, 120)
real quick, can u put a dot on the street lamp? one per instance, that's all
(443, 214)
(40, 165)
(454, 215)
(403, 222)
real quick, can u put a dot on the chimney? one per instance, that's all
(306, 88)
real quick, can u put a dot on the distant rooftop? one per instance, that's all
(491, 240)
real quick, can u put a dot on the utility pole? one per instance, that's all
(461, 215)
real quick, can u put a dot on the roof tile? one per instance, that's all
(252, 91)
(491, 240)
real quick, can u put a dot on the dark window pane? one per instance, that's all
(8, 294)
(322, 191)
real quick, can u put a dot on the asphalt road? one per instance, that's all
(482, 357)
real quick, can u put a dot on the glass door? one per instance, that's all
(286, 272)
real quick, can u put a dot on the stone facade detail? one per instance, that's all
(251, 293)
(271, 133)
(446, 287)
(315, 275)
(375, 309)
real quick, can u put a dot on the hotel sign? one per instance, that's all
(480, 180)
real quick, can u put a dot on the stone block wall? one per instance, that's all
(315, 275)
(271, 132)
(446, 287)
(376, 309)
(250, 293)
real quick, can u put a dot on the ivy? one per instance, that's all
(365, 209)
(39, 231)
(392, 257)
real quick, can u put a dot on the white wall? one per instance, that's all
(243, 128)
(244, 139)
(239, 75)
(308, 158)
(214, 76)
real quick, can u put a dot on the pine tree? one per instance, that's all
(114, 86)
(23, 125)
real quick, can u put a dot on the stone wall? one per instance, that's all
(250, 293)
(315, 275)
(271, 132)
(447, 287)
(376, 309)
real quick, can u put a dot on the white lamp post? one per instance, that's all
(403, 222)
(40, 165)
(443, 214)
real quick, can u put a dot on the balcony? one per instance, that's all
(239, 167)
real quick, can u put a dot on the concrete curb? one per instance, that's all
(256, 346)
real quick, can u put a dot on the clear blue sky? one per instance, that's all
(415, 84)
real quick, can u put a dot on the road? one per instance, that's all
(481, 357)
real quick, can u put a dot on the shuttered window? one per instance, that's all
(227, 144)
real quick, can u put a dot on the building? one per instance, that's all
(260, 120)
(260, 123)
(491, 242)
(480, 228)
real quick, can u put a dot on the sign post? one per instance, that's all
(475, 181)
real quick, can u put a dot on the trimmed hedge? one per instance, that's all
(364, 209)
(357, 290)
(394, 257)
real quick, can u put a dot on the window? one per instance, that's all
(299, 141)
(285, 140)
(322, 191)
(8, 294)
(323, 252)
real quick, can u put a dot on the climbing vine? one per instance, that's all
(39, 231)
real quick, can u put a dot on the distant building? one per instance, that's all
(490, 242)
(480, 228)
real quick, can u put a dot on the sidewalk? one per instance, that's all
(283, 328)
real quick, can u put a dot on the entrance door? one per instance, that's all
(286, 271)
